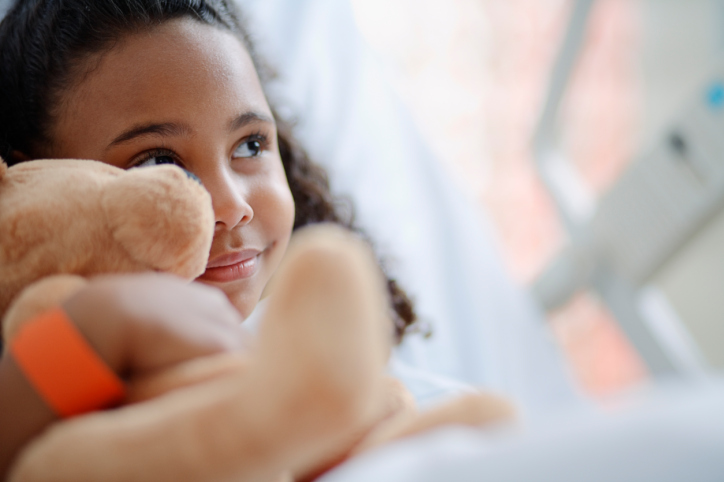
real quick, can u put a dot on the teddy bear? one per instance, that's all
(112, 221)
(310, 392)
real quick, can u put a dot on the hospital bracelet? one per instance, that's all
(62, 367)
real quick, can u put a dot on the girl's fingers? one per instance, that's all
(143, 323)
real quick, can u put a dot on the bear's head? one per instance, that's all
(87, 218)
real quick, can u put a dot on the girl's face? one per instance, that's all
(188, 94)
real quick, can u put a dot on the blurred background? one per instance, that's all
(475, 73)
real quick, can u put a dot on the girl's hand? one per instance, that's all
(143, 323)
(137, 324)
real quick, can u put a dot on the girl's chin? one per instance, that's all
(243, 295)
(244, 302)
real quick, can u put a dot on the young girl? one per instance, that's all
(137, 83)
(59, 103)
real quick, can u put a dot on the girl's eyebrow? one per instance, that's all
(170, 129)
(166, 129)
(248, 118)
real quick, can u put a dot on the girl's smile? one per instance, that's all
(232, 266)
(186, 93)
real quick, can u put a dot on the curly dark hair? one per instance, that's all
(43, 44)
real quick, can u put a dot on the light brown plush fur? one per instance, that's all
(311, 392)
(86, 218)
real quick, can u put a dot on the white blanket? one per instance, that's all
(666, 434)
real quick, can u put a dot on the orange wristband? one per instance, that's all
(65, 371)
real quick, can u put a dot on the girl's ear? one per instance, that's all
(3, 168)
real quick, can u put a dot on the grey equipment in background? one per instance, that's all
(652, 247)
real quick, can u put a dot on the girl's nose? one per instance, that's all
(229, 199)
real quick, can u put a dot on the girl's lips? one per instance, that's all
(232, 266)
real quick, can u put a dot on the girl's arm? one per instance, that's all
(23, 414)
(137, 324)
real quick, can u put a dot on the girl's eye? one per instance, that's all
(156, 159)
(249, 148)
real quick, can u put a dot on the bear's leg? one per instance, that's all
(311, 388)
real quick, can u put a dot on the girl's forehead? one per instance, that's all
(184, 48)
(182, 71)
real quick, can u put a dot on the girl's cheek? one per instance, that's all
(285, 202)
